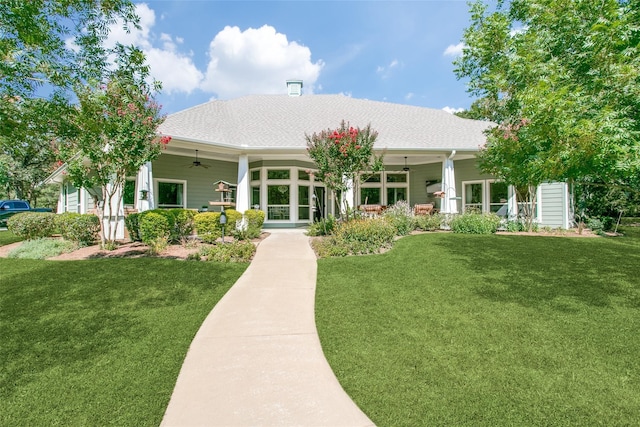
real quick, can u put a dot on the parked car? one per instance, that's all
(8, 208)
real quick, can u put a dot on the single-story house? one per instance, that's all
(256, 144)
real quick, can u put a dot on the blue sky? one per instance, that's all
(394, 51)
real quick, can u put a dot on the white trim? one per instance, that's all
(483, 196)
(243, 189)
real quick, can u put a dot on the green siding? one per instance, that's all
(418, 175)
(200, 180)
(553, 204)
(72, 199)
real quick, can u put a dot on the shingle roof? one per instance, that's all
(281, 121)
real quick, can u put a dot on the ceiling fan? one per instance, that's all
(197, 162)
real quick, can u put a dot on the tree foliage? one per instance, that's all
(561, 78)
(342, 155)
(113, 134)
(47, 48)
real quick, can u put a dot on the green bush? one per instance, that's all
(401, 217)
(32, 225)
(208, 226)
(515, 226)
(359, 236)
(474, 223)
(229, 252)
(254, 221)
(80, 228)
(183, 224)
(155, 230)
(233, 216)
(323, 227)
(132, 222)
(428, 222)
(41, 248)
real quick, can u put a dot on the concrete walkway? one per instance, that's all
(257, 360)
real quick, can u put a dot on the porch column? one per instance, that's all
(145, 185)
(243, 190)
(347, 197)
(449, 204)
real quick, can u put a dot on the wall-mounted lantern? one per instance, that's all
(144, 194)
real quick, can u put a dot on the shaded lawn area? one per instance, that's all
(99, 342)
(468, 330)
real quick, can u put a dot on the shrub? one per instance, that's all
(323, 227)
(233, 216)
(80, 228)
(230, 252)
(254, 221)
(515, 226)
(474, 223)
(32, 225)
(155, 230)
(132, 222)
(208, 226)
(41, 248)
(329, 247)
(361, 236)
(183, 224)
(401, 217)
(428, 222)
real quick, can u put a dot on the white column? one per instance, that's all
(243, 191)
(145, 183)
(347, 197)
(449, 204)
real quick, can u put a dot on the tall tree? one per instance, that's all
(342, 155)
(113, 134)
(47, 48)
(562, 80)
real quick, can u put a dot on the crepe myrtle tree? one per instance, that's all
(114, 133)
(343, 155)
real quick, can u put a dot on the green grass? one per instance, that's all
(7, 237)
(468, 330)
(99, 342)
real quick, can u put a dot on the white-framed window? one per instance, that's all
(279, 195)
(171, 193)
(129, 193)
(384, 188)
(485, 196)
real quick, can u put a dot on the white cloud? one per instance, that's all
(452, 110)
(385, 71)
(174, 69)
(257, 61)
(408, 96)
(454, 50)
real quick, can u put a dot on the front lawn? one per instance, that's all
(450, 329)
(99, 342)
(7, 237)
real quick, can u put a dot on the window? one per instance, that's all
(255, 197)
(255, 175)
(303, 175)
(386, 188)
(473, 196)
(172, 194)
(370, 196)
(278, 199)
(278, 174)
(304, 211)
(129, 193)
(498, 197)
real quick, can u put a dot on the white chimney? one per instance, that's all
(294, 87)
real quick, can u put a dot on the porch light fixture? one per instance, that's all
(144, 194)
(405, 168)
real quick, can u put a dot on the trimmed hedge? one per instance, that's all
(181, 223)
(208, 226)
(83, 229)
(32, 225)
(155, 230)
